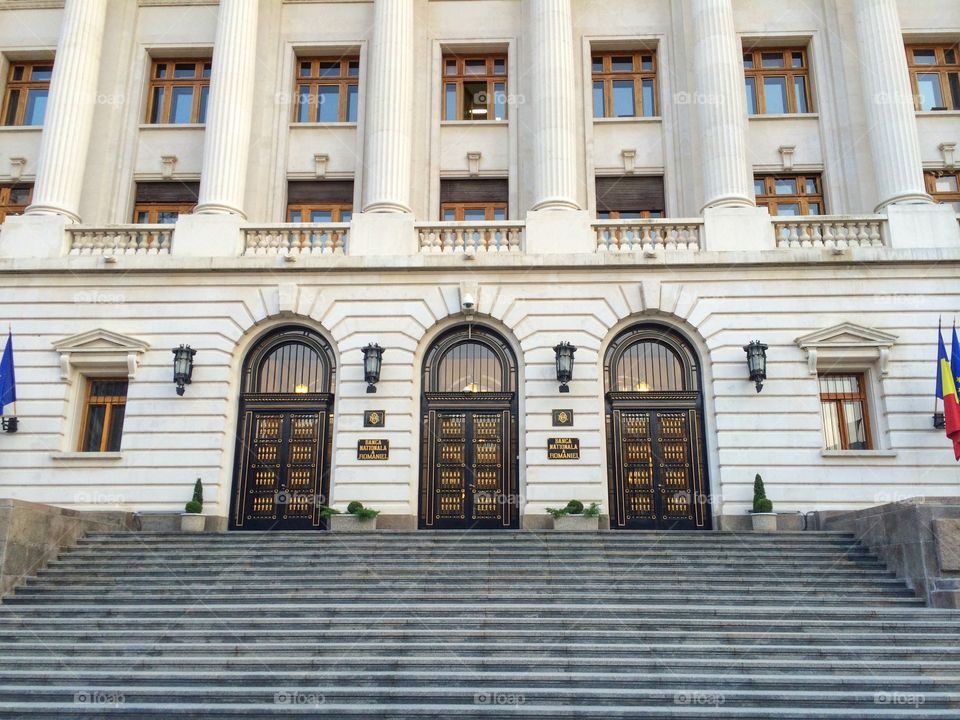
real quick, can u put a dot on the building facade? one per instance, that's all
(470, 185)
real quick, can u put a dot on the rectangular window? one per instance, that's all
(625, 84)
(178, 92)
(319, 201)
(790, 195)
(935, 74)
(104, 406)
(475, 88)
(14, 199)
(777, 81)
(843, 407)
(161, 203)
(327, 90)
(25, 99)
(463, 200)
(944, 186)
(630, 197)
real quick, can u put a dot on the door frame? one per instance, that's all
(250, 403)
(690, 399)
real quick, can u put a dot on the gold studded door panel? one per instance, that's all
(675, 475)
(449, 466)
(635, 465)
(487, 488)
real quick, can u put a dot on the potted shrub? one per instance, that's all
(192, 521)
(762, 517)
(576, 518)
(357, 518)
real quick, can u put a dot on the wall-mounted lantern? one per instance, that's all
(183, 366)
(372, 360)
(757, 362)
(564, 352)
(10, 424)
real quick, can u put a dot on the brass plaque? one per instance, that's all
(373, 449)
(374, 418)
(563, 418)
(563, 448)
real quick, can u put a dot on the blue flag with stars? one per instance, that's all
(8, 381)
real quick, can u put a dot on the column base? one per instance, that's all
(559, 232)
(382, 233)
(923, 226)
(740, 229)
(212, 235)
(34, 236)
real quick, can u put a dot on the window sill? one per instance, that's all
(626, 120)
(314, 125)
(938, 113)
(858, 454)
(21, 128)
(172, 126)
(87, 457)
(470, 123)
(786, 116)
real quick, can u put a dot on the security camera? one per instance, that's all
(468, 302)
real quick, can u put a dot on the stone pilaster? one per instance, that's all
(721, 105)
(226, 144)
(890, 110)
(389, 111)
(553, 92)
(69, 119)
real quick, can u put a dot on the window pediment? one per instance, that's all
(99, 351)
(847, 343)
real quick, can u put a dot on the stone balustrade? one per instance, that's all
(648, 235)
(464, 237)
(120, 240)
(296, 239)
(836, 232)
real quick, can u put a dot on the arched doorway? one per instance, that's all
(282, 468)
(655, 439)
(469, 464)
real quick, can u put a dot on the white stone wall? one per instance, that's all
(168, 441)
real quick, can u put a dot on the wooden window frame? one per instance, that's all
(460, 77)
(758, 73)
(336, 210)
(942, 69)
(344, 81)
(154, 209)
(23, 87)
(489, 209)
(839, 398)
(110, 402)
(198, 83)
(607, 76)
(7, 208)
(644, 214)
(771, 200)
(948, 198)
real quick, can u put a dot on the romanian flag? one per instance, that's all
(948, 390)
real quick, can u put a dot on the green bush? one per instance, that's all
(326, 512)
(196, 504)
(354, 506)
(592, 511)
(365, 513)
(761, 504)
(574, 507)
(557, 514)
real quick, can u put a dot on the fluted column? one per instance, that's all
(721, 105)
(389, 111)
(553, 91)
(226, 143)
(891, 117)
(65, 141)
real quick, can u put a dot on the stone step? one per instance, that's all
(476, 535)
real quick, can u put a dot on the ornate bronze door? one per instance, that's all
(469, 453)
(469, 480)
(655, 457)
(284, 434)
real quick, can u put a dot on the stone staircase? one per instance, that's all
(474, 625)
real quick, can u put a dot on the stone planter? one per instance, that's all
(764, 522)
(351, 523)
(576, 523)
(192, 522)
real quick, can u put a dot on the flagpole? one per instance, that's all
(939, 338)
(10, 339)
